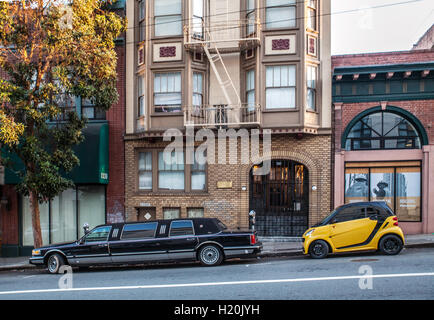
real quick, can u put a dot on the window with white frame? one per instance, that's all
(280, 14)
(167, 92)
(145, 170)
(311, 14)
(167, 17)
(197, 91)
(171, 170)
(250, 89)
(140, 96)
(311, 75)
(250, 16)
(198, 18)
(142, 20)
(280, 87)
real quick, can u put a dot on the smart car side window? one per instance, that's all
(348, 214)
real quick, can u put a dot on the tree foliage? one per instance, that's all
(51, 51)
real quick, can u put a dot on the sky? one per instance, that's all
(362, 26)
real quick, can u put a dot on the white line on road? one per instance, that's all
(204, 284)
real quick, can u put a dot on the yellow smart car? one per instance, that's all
(355, 227)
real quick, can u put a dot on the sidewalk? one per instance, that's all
(272, 248)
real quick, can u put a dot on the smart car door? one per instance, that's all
(350, 227)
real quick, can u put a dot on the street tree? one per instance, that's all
(50, 52)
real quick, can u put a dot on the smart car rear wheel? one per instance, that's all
(54, 262)
(210, 255)
(390, 244)
(319, 249)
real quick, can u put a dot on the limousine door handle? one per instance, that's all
(191, 239)
(102, 245)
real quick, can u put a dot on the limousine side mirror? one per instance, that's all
(86, 228)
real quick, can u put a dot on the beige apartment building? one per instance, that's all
(255, 66)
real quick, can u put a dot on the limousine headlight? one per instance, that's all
(36, 252)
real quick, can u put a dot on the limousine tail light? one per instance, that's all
(252, 239)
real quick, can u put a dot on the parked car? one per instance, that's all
(355, 227)
(204, 239)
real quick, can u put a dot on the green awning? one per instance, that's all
(93, 155)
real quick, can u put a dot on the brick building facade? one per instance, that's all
(242, 65)
(383, 133)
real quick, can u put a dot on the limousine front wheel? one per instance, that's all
(54, 262)
(210, 255)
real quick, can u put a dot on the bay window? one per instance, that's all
(280, 14)
(280, 87)
(167, 92)
(250, 89)
(167, 18)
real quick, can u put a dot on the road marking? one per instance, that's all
(204, 284)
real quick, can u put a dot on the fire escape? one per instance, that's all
(214, 36)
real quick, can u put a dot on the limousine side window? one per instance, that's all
(98, 234)
(139, 231)
(181, 228)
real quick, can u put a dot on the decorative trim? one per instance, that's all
(166, 52)
(280, 44)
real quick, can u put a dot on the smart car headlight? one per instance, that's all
(309, 233)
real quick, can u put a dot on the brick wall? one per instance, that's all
(395, 57)
(116, 122)
(232, 205)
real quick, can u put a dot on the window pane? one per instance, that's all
(166, 7)
(311, 99)
(198, 180)
(280, 98)
(280, 17)
(356, 185)
(181, 228)
(408, 194)
(91, 206)
(63, 217)
(172, 180)
(382, 187)
(170, 213)
(145, 161)
(145, 180)
(27, 222)
(139, 230)
(99, 234)
(195, 212)
(168, 25)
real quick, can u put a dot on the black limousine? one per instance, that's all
(202, 239)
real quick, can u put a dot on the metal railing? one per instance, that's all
(224, 33)
(222, 115)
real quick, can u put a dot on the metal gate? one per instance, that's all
(280, 199)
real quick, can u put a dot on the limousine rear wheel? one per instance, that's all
(54, 262)
(210, 255)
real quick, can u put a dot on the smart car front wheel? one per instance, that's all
(319, 249)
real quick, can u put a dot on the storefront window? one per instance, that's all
(382, 186)
(27, 222)
(59, 217)
(91, 206)
(356, 185)
(408, 193)
(399, 186)
(63, 217)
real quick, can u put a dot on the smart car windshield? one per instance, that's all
(326, 219)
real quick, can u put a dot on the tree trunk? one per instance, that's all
(36, 221)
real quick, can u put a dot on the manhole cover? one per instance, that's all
(363, 260)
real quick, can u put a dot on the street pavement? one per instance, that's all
(367, 276)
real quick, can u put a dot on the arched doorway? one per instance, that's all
(280, 199)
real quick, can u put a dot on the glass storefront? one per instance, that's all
(397, 183)
(63, 217)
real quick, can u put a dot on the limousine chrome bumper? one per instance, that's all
(36, 260)
(242, 251)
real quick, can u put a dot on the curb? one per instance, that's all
(266, 254)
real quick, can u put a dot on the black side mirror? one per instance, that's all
(373, 217)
